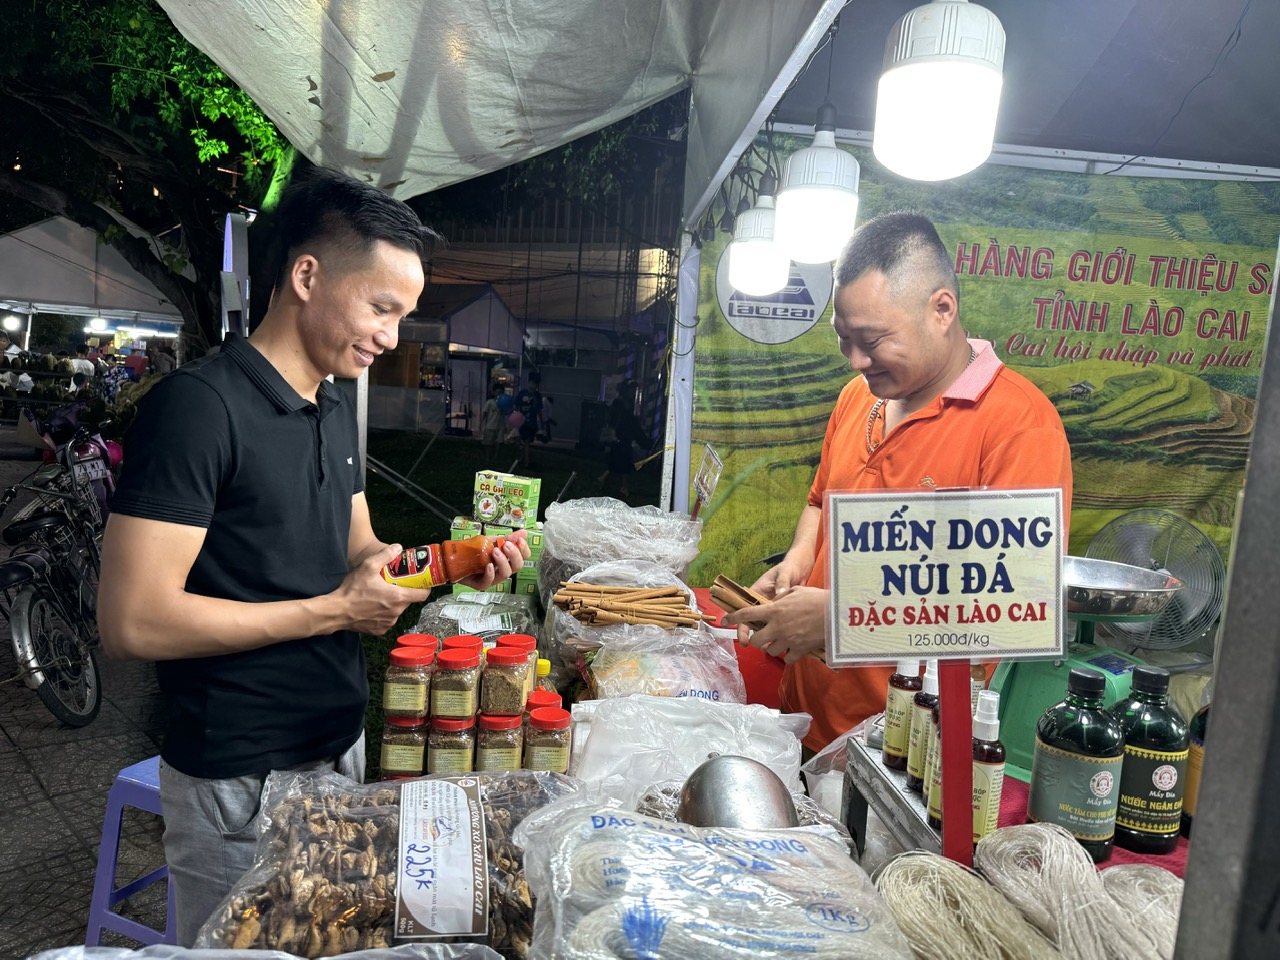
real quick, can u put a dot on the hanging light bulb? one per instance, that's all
(757, 266)
(940, 90)
(819, 197)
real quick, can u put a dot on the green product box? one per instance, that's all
(505, 499)
(526, 581)
(533, 538)
(502, 587)
(463, 527)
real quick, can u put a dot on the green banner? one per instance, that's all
(1138, 305)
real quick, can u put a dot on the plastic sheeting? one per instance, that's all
(417, 95)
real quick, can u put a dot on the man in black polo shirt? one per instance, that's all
(240, 555)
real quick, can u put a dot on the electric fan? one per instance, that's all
(1162, 541)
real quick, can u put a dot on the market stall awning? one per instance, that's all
(57, 266)
(477, 319)
(415, 95)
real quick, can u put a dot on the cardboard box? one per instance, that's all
(534, 538)
(467, 526)
(525, 582)
(505, 499)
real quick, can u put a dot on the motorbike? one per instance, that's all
(49, 584)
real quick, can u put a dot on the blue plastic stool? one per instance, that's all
(135, 786)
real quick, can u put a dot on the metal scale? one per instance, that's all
(1097, 591)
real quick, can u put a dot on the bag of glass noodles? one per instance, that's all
(616, 885)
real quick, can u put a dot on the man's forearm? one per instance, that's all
(805, 541)
(190, 625)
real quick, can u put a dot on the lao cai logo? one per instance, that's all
(1102, 783)
(841, 919)
(781, 316)
(442, 831)
(1165, 777)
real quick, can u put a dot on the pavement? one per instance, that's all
(53, 791)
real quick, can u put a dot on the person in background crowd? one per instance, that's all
(491, 422)
(528, 404)
(240, 555)
(162, 360)
(113, 375)
(626, 431)
(548, 419)
(79, 388)
(82, 363)
(931, 409)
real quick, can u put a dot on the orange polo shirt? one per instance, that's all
(992, 427)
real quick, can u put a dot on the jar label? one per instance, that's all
(418, 567)
(555, 759)
(916, 743)
(405, 697)
(448, 761)
(1077, 792)
(400, 758)
(988, 784)
(895, 721)
(1195, 763)
(497, 758)
(453, 703)
(1151, 790)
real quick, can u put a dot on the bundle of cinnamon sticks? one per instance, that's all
(601, 605)
(733, 596)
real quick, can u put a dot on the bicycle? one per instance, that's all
(49, 586)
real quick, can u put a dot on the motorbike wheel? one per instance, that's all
(72, 688)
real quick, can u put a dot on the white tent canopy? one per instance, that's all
(477, 319)
(57, 266)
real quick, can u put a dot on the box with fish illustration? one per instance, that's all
(505, 499)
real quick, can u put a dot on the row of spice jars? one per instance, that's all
(452, 684)
(411, 747)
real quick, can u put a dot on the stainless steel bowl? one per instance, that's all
(732, 791)
(1102, 588)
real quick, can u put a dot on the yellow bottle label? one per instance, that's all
(453, 703)
(935, 781)
(404, 697)
(419, 567)
(397, 758)
(498, 758)
(917, 745)
(896, 718)
(1195, 763)
(555, 759)
(930, 737)
(449, 761)
(988, 784)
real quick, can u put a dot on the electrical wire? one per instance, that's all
(1233, 38)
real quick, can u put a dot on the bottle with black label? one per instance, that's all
(1195, 763)
(1075, 770)
(1155, 764)
(903, 686)
(921, 712)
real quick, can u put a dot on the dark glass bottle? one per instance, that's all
(1075, 770)
(903, 685)
(922, 705)
(1155, 762)
(933, 776)
(1195, 763)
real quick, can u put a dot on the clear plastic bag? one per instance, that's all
(645, 740)
(580, 533)
(484, 615)
(161, 951)
(616, 884)
(324, 874)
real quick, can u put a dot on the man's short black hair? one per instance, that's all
(330, 210)
(906, 248)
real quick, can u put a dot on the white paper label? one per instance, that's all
(443, 885)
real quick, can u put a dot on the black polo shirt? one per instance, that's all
(226, 444)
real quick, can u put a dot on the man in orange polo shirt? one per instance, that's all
(932, 409)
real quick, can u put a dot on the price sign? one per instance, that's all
(953, 574)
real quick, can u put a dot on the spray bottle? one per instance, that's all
(988, 765)
(897, 712)
(921, 714)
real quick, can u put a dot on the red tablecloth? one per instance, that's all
(1013, 809)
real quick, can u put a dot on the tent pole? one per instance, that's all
(676, 452)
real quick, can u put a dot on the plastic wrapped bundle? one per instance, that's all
(484, 615)
(616, 885)
(580, 533)
(325, 869)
